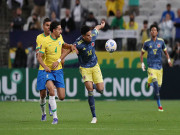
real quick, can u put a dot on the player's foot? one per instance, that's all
(50, 111)
(94, 120)
(43, 117)
(55, 121)
(160, 109)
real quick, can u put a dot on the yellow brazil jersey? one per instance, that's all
(39, 41)
(52, 50)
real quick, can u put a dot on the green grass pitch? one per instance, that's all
(114, 118)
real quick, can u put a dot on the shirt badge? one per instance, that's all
(59, 42)
(150, 46)
(84, 48)
(158, 45)
(92, 44)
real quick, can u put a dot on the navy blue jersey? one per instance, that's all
(87, 57)
(154, 49)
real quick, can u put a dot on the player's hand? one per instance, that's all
(169, 62)
(74, 48)
(47, 69)
(102, 24)
(143, 66)
(55, 64)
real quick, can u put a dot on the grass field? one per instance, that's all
(114, 118)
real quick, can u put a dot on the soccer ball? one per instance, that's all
(110, 46)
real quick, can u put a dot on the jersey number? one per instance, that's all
(154, 50)
(89, 52)
(56, 50)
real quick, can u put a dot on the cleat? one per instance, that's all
(99, 91)
(94, 120)
(50, 111)
(160, 109)
(43, 117)
(55, 121)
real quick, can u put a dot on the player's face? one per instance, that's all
(57, 31)
(87, 37)
(46, 27)
(154, 32)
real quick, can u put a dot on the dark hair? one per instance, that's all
(54, 25)
(168, 5)
(154, 25)
(46, 20)
(145, 22)
(84, 29)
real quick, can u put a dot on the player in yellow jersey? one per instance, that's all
(53, 73)
(40, 81)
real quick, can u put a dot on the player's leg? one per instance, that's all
(98, 79)
(41, 82)
(159, 80)
(43, 104)
(52, 101)
(91, 101)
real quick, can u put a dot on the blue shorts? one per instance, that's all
(56, 76)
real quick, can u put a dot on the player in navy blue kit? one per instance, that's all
(154, 48)
(89, 68)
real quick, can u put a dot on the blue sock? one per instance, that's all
(157, 95)
(91, 103)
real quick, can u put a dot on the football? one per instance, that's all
(111, 45)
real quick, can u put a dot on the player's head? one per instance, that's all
(55, 28)
(168, 6)
(46, 26)
(86, 33)
(154, 30)
(145, 23)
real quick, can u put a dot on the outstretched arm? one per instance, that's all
(168, 58)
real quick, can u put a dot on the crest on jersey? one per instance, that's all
(59, 42)
(158, 45)
(84, 77)
(150, 46)
(92, 44)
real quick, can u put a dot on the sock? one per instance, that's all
(157, 95)
(53, 105)
(91, 103)
(43, 105)
(99, 91)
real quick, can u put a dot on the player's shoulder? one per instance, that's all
(40, 36)
(79, 41)
(160, 39)
(148, 40)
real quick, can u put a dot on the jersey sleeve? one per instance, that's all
(38, 43)
(145, 47)
(164, 46)
(42, 49)
(94, 33)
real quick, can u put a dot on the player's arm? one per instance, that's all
(98, 27)
(70, 47)
(40, 60)
(63, 55)
(168, 58)
(141, 58)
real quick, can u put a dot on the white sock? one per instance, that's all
(43, 105)
(53, 105)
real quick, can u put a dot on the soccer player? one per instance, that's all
(40, 83)
(154, 48)
(52, 74)
(89, 67)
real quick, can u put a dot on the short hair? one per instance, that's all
(54, 25)
(84, 29)
(154, 25)
(168, 5)
(145, 22)
(46, 20)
